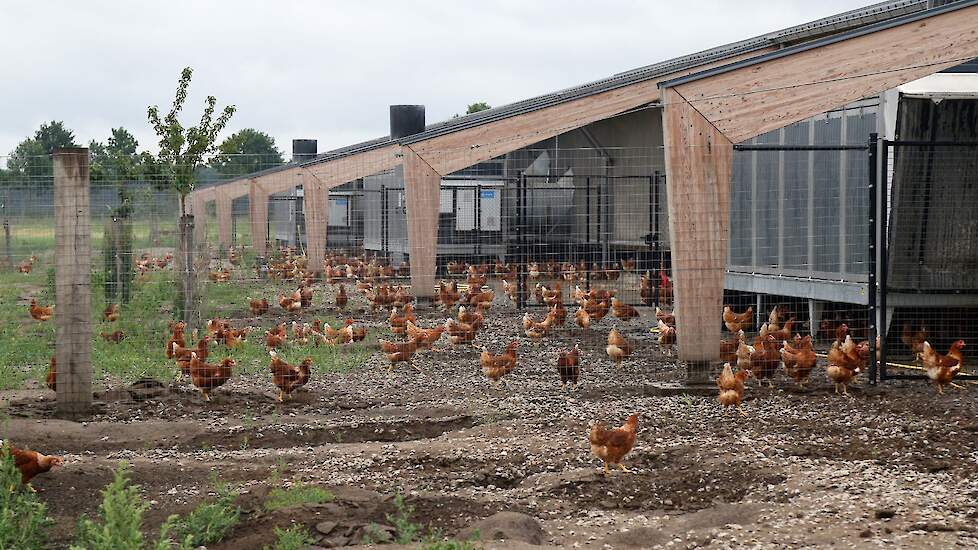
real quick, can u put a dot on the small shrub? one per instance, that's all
(120, 518)
(280, 497)
(23, 517)
(450, 544)
(293, 538)
(209, 522)
(407, 530)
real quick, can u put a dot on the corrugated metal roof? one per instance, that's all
(837, 23)
(824, 41)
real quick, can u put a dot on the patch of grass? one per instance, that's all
(23, 516)
(407, 529)
(294, 538)
(296, 495)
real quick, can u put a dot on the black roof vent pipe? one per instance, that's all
(406, 120)
(303, 150)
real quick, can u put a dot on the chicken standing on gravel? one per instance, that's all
(497, 366)
(288, 377)
(611, 446)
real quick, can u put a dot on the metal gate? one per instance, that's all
(928, 224)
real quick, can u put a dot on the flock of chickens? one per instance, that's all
(775, 345)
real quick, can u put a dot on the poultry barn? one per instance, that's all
(713, 301)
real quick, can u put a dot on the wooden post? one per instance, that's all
(315, 205)
(258, 205)
(73, 293)
(222, 201)
(698, 161)
(422, 187)
(8, 254)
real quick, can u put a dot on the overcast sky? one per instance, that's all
(329, 69)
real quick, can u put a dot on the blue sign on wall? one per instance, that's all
(487, 195)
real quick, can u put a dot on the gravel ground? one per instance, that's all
(894, 465)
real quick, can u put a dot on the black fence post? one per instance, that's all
(521, 242)
(874, 216)
(383, 223)
(882, 176)
(587, 239)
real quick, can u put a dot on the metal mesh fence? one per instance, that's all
(577, 233)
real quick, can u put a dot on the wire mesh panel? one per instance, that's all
(929, 284)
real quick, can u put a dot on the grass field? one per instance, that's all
(26, 345)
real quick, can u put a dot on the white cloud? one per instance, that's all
(328, 70)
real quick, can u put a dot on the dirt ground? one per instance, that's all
(894, 465)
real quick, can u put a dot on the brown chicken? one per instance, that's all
(728, 348)
(666, 317)
(495, 367)
(111, 313)
(460, 333)
(667, 337)
(399, 322)
(31, 463)
(258, 307)
(611, 446)
(52, 378)
(622, 310)
(182, 355)
(288, 377)
(509, 289)
(176, 338)
(618, 347)
(27, 265)
(426, 337)
(560, 314)
(341, 297)
(765, 359)
(399, 352)
(941, 369)
(206, 376)
(553, 296)
(275, 339)
(290, 302)
(448, 294)
(305, 296)
(784, 333)
(799, 359)
(583, 319)
(114, 337)
(569, 366)
(39, 313)
(846, 361)
(914, 339)
(737, 321)
(469, 317)
(646, 291)
(731, 387)
(537, 331)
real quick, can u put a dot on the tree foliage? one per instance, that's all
(245, 152)
(31, 158)
(478, 106)
(182, 150)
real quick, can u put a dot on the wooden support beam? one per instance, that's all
(422, 187)
(258, 205)
(73, 292)
(315, 206)
(698, 161)
(748, 101)
(224, 212)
